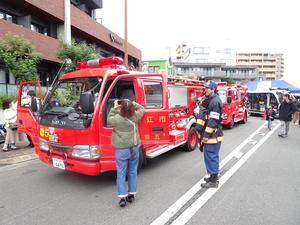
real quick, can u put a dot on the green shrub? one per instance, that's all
(10, 97)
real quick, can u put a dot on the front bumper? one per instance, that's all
(91, 167)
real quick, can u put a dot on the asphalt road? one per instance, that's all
(264, 190)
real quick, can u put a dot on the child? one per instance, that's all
(270, 114)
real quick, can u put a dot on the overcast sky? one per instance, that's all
(157, 27)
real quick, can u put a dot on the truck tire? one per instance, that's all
(231, 124)
(245, 118)
(192, 140)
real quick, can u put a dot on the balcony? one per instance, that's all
(44, 45)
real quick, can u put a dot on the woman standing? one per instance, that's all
(124, 118)
(10, 119)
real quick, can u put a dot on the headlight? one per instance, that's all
(87, 151)
(225, 116)
(43, 144)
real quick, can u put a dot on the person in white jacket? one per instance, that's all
(10, 118)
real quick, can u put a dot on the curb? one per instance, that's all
(18, 159)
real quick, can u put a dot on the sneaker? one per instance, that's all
(210, 184)
(5, 148)
(280, 135)
(130, 198)
(122, 202)
(13, 147)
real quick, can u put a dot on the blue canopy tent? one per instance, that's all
(266, 85)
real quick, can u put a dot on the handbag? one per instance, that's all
(13, 126)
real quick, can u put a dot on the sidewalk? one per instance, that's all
(21, 154)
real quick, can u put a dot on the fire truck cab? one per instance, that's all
(70, 129)
(234, 104)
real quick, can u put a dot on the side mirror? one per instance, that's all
(229, 99)
(86, 102)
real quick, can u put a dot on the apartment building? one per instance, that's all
(270, 66)
(42, 22)
(193, 53)
(218, 71)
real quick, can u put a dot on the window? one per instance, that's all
(7, 16)
(153, 69)
(153, 94)
(39, 29)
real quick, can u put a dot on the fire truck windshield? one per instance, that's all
(62, 107)
(222, 95)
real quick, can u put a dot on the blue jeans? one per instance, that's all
(127, 158)
(270, 124)
(211, 157)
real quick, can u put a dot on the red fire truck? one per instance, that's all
(70, 129)
(234, 100)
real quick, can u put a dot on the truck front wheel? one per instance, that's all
(231, 124)
(192, 141)
(245, 118)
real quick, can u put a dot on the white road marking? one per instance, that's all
(238, 155)
(176, 206)
(189, 212)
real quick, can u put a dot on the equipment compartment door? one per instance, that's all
(154, 127)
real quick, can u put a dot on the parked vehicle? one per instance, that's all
(70, 131)
(260, 100)
(234, 104)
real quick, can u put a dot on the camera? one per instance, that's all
(119, 102)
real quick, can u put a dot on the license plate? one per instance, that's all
(58, 163)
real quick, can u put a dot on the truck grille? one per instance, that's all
(60, 148)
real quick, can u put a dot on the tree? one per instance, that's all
(77, 52)
(17, 54)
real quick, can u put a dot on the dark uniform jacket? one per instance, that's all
(286, 110)
(209, 122)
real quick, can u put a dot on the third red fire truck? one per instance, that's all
(70, 130)
(234, 100)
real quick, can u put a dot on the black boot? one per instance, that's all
(206, 179)
(211, 182)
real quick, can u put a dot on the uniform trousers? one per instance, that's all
(211, 157)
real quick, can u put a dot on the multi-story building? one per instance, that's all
(42, 22)
(270, 66)
(157, 66)
(205, 54)
(217, 71)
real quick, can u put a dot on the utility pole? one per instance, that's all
(67, 25)
(125, 35)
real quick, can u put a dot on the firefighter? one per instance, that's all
(212, 135)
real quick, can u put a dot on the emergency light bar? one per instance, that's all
(223, 83)
(96, 63)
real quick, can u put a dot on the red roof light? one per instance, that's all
(97, 63)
